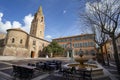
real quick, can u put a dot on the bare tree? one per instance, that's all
(105, 14)
(100, 39)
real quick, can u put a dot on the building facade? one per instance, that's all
(78, 44)
(21, 44)
(118, 45)
(108, 48)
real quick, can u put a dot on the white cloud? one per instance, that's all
(5, 26)
(27, 20)
(1, 15)
(64, 11)
(16, 24)
(48, 37)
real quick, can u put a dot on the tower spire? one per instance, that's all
(40, 10)
(37, 26)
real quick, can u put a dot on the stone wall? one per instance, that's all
(36, 45)
(1, 51)
(2, 36)
(18, 46)
(14, 51)
(19, 36)
(2, 42)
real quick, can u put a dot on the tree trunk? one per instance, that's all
(103, 61)
(107, 55)
(116, 54)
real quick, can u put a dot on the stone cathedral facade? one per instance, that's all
(21, 44)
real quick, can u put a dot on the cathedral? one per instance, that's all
(21, 44)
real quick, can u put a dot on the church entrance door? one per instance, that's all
(32, 54)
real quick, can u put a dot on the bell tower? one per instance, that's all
(37, 25)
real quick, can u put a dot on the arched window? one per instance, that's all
(13, 40)
(21, 41)
(41, 19)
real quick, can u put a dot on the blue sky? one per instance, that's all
(61, 16)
